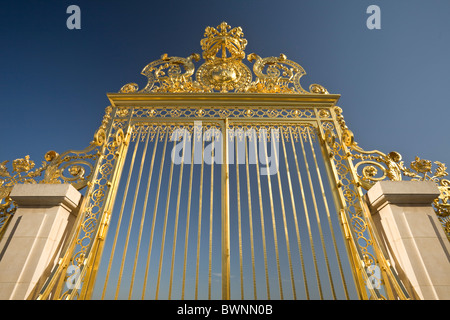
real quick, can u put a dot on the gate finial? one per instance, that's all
(220, 38)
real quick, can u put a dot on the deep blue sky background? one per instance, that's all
(394, 82)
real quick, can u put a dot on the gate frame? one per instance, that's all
(332, 135)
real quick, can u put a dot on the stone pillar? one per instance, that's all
(412, 235)
(35, 236)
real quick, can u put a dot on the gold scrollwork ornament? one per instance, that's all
(348, 138)
(99, 137)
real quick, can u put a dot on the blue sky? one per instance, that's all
(393, 81)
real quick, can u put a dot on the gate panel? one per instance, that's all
(289, 241)
(164, 240)
(165, 236)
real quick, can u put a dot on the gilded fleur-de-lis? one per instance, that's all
(421, 165)
(23, 165)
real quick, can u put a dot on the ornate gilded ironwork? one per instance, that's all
(223, 70)
(372, 166)
(74, 167)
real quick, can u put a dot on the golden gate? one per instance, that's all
(215, 185)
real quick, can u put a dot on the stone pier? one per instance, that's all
(35, 236)
(413, 236)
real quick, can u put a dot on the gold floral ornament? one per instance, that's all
(23, 165)
(20, 173)
(223, 70)
(420, 169)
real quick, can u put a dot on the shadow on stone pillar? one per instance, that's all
(412, 235)
(35, 236)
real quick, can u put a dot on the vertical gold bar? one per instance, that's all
(154, 214)
(225, 215)
(60, 283)
(328, 216)
(238, 193)
(132, 216)
(250, 217)
(174, 244)
(313, 251)
(199, 223)
(294, 213)
(163, 240)
(119, 222)
(319, 225)
(144, 209)
(188, 214)
(261, 211)
(211, 215)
